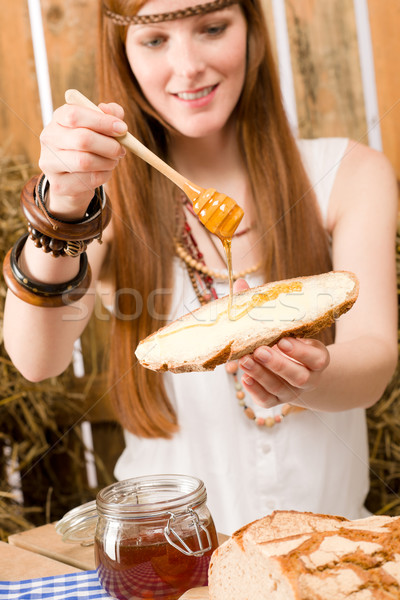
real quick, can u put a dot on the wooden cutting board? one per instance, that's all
(46, 541)
(196, 594)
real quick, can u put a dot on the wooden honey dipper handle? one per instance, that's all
(133, 144)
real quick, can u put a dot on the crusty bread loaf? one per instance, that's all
(209, 336)
(303, 556)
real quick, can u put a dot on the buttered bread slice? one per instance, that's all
(216, 333)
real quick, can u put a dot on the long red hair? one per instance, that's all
(144, 211)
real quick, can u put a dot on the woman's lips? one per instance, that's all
(197, 98)
(196, 95)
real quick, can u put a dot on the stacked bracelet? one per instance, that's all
(61, 237)
(44, 294)
(55, 246)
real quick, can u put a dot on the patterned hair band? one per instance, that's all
(191, 11)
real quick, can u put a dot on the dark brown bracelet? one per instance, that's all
(41, 220)
(44, 294)
(57, 247)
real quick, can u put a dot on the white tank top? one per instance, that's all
(312, 461)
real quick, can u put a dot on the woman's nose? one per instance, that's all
(187, 60)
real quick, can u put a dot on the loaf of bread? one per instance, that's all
(303, 556)
(212, 335)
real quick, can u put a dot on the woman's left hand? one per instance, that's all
(282, 373)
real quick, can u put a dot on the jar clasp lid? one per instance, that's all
(184, 548)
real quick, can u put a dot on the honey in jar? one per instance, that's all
(154, 537)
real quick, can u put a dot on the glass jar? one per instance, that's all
(154, 537)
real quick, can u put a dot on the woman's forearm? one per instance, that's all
(357, 375)
(40, 340)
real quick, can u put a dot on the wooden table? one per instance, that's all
(17, 564)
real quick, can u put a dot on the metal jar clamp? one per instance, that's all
(184, 548)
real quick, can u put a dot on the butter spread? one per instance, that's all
(271, 309)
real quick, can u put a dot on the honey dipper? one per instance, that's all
(219, 214)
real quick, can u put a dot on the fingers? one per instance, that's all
(311, 353)
(279, 381)
(74, 184)
(112, 109)
(260, 395)
(81, 140)
(75, 161)
(74, 117)
(79, 151)
(274, 363)
(281, 373)
(84, 132)
(240, 285)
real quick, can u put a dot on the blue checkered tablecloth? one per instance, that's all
(74, 586)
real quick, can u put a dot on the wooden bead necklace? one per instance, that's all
(201, 278)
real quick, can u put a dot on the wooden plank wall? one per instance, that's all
(70, 36)
(325, 56)
(325, 59)
(20, 120)
(385, 31)
(70, 32)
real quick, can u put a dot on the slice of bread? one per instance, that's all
(212, 335)
(290, 555)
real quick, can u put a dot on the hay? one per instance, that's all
(384, 441)
(40, 437)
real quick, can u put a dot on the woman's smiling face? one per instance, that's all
(191, 70)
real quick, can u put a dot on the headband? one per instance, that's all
(198, 9)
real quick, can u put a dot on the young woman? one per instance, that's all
(199, 87)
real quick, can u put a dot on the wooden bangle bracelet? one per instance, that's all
(42, 294)
(86, 229)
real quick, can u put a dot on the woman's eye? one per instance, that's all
(153, 42)
(215, 30)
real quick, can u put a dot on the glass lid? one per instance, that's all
(79, 524)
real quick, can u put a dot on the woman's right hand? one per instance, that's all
(79, 153)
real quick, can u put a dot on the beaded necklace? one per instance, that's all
(202, 279)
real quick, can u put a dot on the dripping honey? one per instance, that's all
(227, 244)
(221, 215)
